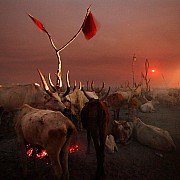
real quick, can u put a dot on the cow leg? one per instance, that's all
(24, 156)
(88, 141)
(1, 113)
(34, 155)
(99, 157)
(114, 114)
(53, 153)
(103, 135)
(22, 144)
(130, 113)
(64, 159)
(117, 114)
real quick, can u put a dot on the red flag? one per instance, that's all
(89, 29)
(38, 23)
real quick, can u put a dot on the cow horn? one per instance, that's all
(96, 91)
(92, 85)
(88, 97)
(44, 83)
(101, 88)
(87, 88)
(55, 95)
(115, 122)
(51, 83)
(75, 85)
(80, 85)
(68, 85)
(106, 95)
(59, 81)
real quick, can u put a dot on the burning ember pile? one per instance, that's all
(73, 148)
(41, 153)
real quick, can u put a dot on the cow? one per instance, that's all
(133, 106)
(131, 92)
(95, 119)
(148, 107)
(168, 100)
(51, 130)
(117, 99)
(14, 96)
(76, 101)
(111, 144)
(152, 136)
(122, 131)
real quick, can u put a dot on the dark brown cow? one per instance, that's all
(95, 119)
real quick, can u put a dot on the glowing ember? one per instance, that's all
(73, 149)
(39, 155)
(29, 152)
(43, 152)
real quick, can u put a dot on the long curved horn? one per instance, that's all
(92, 86)
(46, 88)
(55, 95)
(105, 96)
(88, 97)
(80, 85)
(87, 88)
(51, 83)
(101, 88)
(68, 85)
(75, 85)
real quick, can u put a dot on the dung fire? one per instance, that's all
(41, 153)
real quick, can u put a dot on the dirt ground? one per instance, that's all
(133, 161)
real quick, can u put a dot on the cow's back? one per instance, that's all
(94, 115)
(42, 124)
(12, 97)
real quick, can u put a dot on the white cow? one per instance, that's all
(152, 136)
(14, 96)
(148, 107)
(49, 129)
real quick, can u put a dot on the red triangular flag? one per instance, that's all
(38, 23)
(89, 29)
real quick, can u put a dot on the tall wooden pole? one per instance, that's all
(133, 60)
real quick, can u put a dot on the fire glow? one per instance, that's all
(73, 149)
(43, 153)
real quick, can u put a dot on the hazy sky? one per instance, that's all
(148, 28)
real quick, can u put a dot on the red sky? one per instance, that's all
(148, 28)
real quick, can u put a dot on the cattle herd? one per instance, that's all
(53, 119)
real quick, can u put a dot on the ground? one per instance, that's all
(133, 161)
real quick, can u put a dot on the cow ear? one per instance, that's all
(116, 122)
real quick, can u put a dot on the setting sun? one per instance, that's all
(153, 70)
